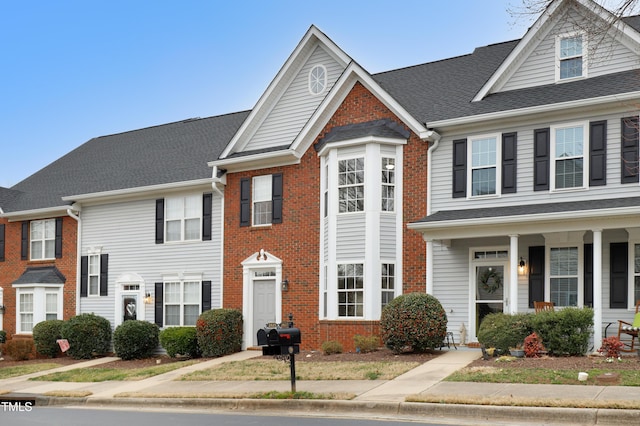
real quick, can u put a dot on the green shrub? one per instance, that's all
(331, 347)
(135, 339)
(366, 344)
(46, 335)
(504, 331)
(180, 341)
(89, 335)
(566, 331)
(415, 321)
(19, 349)
(219, 332)
(3, 336)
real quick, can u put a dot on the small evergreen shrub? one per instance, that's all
(415, 321)
(135, 339)
(180, 341)
(46, 335)
(219, 332)
(89, 335)
(19, 349)
(331, 347)
(503, 331)
(566, 331)
(366, 344)
(3, 336)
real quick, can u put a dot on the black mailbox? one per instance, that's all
(279, 341)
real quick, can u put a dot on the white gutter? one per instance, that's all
(118, 193)
(35, 213)
(436, 141)
(214, 185)
(78, 252)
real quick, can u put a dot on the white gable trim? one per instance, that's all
(279, 84)
(540, 29)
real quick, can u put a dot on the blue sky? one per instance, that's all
(74, 70)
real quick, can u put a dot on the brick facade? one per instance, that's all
(296, 240)
(13, 267)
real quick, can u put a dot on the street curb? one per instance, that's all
(408, 410)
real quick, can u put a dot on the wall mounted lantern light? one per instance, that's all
(2, 308)
(522, 265)
(285, 285)
(148, 300)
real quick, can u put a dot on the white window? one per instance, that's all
(351, 290)
(51, 306)
(37, 304)
(484, 174)
(570, 53)
(351, 185)
(635, 295)
(262, 200)
(388, 283)
(183, 217)
(43, 239)
(388, 184)
(564, 275)
(317, 79)
(182, 301)
(25, 312)
(568, 147)
(94, 275)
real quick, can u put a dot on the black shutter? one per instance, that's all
(160, 221)
(84, 276)
(58, 238)
(206, 295)
(245, 202)
(541, 144)
(629, 172)
(588, 275)
(460, 168)
(207, 200)
(276, 198)
(618, 255)
(159, 304)
(24, 241)
(2, 243)
(598, 153)
(536, 274)
(104, 274)
(509, 162)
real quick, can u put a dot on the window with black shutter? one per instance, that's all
(509, 163)
(459, 168)
(541, 159)
(629, 142)
(598, 153)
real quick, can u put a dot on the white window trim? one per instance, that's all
(498, 138)
(547, 279)
(182, 278)
(585, 47)
(389, 185)
(182, 219)
(366, 293)
(39, 292)
(253, 200)
(93, 251)
(364, 158)
(43, 240)
(634, 238)
(310, 80)
(585, 155)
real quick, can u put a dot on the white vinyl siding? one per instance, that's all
(127, 229)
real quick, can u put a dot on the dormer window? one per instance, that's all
(570, 56)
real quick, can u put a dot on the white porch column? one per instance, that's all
(513, 274)
(597, 289)
(429, 267)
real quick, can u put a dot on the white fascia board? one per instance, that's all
(352, 74)
(128, 193)
(288, 71)
(258, 161)
(47, 212)
(539, 109)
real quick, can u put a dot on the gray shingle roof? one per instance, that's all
(41, 275)
(384, 128)
(174, 152)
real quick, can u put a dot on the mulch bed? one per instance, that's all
(582, 363)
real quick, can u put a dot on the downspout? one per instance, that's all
(433, 135)
(214, 185)
(78, 254)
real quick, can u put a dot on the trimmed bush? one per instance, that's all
(20, 349)
(180, 341)
(3, 336)
(414, 321)
(219, 332)
(89, 335)
(504, 331)
(566, 331)
(135, 339)
(46, 335)
(366, 344)
(331, 347)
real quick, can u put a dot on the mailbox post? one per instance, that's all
(282, 343)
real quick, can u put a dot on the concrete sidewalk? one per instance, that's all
(373, 397)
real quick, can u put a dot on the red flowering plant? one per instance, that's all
(533, 346)
(611, 347)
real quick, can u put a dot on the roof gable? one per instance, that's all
(533, 61)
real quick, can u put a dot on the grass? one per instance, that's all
(277, 370)
(260, 395)
(538, 376)
(105, 374)
(21, 370)
(524, 402)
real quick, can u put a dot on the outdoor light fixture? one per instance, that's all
(521, 265)
(285, 285)
(148, 299)
(1, 309)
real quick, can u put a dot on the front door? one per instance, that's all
(264, 305)
(489, 290)
(129, 307)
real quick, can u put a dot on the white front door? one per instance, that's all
(264, 305)
(489, 285)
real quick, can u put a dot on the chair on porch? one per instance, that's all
(542, 306)
(626, 329)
